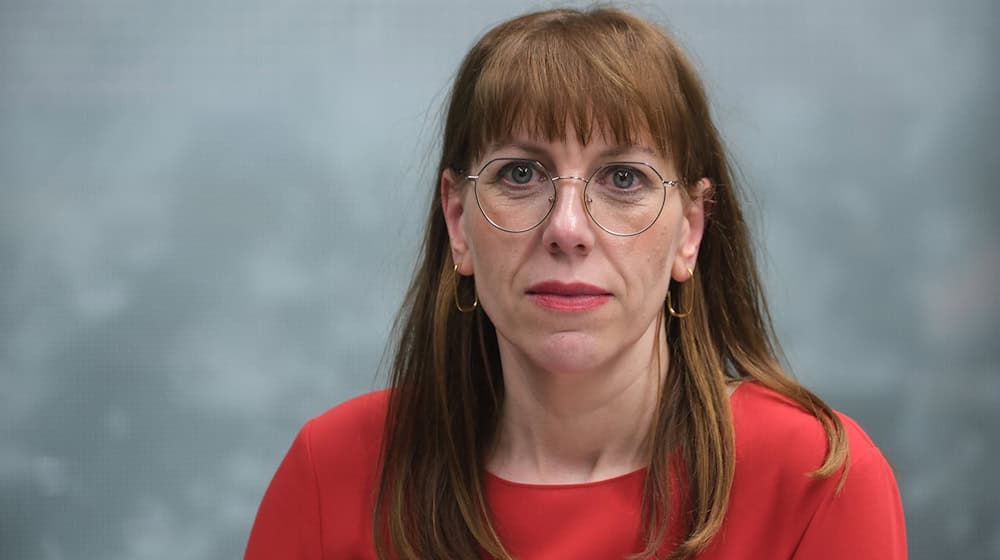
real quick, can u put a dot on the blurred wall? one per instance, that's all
(209, 210)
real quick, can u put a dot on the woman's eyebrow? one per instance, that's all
(532, 149)
(620, 150)
(610, 152)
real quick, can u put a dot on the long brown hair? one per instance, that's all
(601, 71)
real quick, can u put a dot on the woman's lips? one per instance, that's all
(573, 296)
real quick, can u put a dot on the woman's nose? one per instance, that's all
(568, 229)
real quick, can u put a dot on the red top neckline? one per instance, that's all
(621, 478)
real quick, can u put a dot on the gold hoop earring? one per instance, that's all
(671, 307)
(458, 304)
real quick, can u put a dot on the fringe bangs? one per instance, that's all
(549, 78)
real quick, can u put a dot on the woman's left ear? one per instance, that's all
(693, 227)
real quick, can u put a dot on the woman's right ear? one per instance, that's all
(453, 207)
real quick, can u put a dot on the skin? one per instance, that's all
(581, 386)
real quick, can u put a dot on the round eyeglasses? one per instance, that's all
(623, 198)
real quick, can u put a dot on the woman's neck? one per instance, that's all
(579, 426)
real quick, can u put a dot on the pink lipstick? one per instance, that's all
(572, 296)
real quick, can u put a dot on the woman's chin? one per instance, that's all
(569, 353)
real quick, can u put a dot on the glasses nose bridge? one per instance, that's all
(583, 192)
(570, 177)
(554, 180)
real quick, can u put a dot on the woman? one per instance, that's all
(585, 366)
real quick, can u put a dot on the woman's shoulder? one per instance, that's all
(778, 445)
(360, 412)
(774, 431)
(318, 501)
(352, 428)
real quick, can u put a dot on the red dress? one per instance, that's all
(319, 504)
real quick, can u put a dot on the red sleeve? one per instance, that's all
(288, 521)
(863, 522)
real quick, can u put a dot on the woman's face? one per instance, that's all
(568, 296)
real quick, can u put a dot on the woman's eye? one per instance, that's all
(519, 173)
(624, 178)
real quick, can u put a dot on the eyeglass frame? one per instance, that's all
(665, 183)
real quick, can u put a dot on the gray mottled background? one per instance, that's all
(208, 214)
